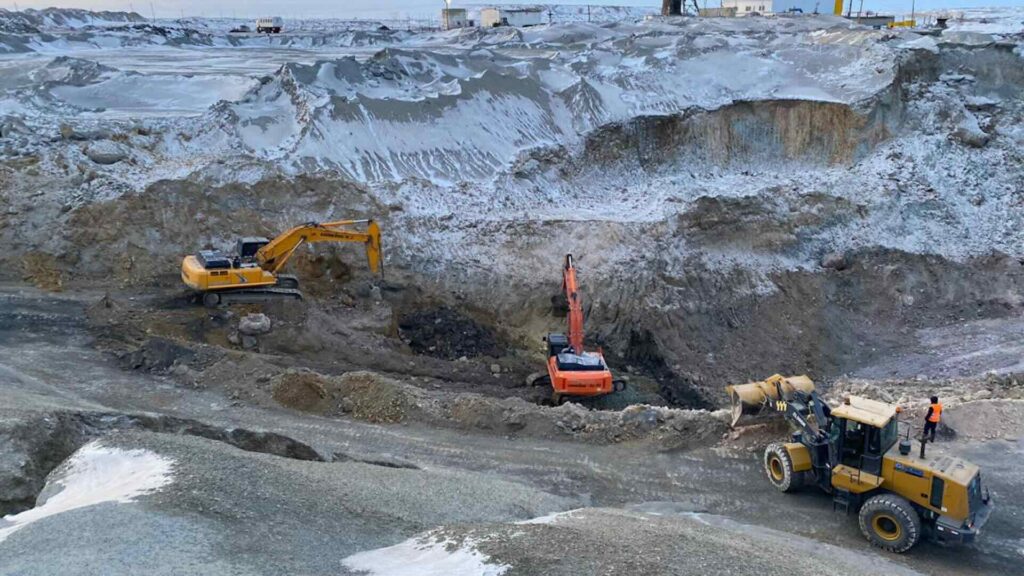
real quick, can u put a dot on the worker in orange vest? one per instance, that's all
(931, 419)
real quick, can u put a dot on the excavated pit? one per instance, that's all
(717, 245)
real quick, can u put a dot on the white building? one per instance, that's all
(748, 7)
(531, 16)
(454, 18)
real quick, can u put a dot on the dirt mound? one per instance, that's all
(367, 397)
(374, 398)
(302, 391)
(445, 333)
(975, 408)
(359, 394)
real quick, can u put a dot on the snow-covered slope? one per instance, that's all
(445, 115)
(50, 19)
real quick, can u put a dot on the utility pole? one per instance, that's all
(152, 11)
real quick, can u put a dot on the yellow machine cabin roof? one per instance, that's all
(870, 412)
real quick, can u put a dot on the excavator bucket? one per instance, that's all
(752, 398)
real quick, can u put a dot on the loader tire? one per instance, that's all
(779, 468)
(890, 522)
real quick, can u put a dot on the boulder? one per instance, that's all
(106, 152)
(254, 324)
(835, 261)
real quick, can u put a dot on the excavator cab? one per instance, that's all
(248, 247)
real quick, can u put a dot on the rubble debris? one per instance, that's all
(446, 333)
(379, 399)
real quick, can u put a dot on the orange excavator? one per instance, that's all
(572, 371)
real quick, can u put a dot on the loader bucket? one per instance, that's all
(752, 398)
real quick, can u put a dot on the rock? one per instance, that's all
(10, 125)
(69, 132)
(514, 420)
(643, 418)
(970, 133)
(249, 342)
(106, 152)
(495, 368)
(835, 261)
(976, 199)
(254, 324)
(234, 338)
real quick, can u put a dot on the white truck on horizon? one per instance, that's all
(270, 25)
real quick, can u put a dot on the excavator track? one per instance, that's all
(250, 296)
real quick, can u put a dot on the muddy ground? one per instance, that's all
(65, 375)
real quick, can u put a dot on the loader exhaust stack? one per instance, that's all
(752, 398)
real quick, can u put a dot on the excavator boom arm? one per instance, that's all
(275, 254)
(572, 295)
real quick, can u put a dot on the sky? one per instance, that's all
(399, 8)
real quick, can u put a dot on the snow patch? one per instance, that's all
(130, 95)
(94, 475)
(428, 555)
(550, 518)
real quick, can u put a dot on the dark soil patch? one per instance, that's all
(445, 333)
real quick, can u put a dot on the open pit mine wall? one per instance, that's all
(804, 260)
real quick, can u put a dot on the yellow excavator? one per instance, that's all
(253, 273)
(855, 452)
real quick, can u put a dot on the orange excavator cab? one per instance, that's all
(571, 370)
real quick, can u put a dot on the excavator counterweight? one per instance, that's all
(252, 273)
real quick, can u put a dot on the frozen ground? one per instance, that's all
(744, 197)
(715, 163)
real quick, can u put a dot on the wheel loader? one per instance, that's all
(253, 272)
(856, 453)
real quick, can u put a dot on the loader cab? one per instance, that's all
(862, 431)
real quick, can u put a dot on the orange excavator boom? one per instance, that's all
(575, 315)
